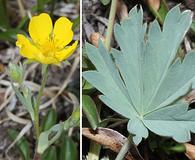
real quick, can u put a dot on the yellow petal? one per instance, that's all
(63, 33)
(66, 52)
(27, 49)
(40, 28)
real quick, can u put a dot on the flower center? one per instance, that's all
(48, 48)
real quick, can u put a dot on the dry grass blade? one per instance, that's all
(112, 140)
(16, 118)
(4, 104)
(18, 115)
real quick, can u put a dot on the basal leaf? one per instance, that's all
(143, 81)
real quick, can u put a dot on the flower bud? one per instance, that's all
(16, 72)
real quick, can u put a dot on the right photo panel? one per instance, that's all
(138, 80)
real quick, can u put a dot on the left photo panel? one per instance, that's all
(39, 80)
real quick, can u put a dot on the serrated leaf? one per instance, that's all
(143, 81)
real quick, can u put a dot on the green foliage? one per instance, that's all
(49, 120)
(143, 81)
(50, 154)
(22, 145)
(47, 138)
(10, 34)
(163, 10)
(76, 23)
(25, 97)
(68, 149)
(105, 2)
(16, 72)
(89, 108)
(4, 20)
(41, 4)
(72, 1)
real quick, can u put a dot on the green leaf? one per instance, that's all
(90, 111)
(179, 148)
(9, 35)
(105, 2)
(163, 10)
(41, 4)
(26, 99)
(48, 137)
(68, 149)
(49, 154)
(76, 23)
(87, 86)
(193, 27)
(49, 120)
(22, 145)
(73, 120)
(4, 20)
(143, 81)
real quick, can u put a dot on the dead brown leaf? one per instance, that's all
(190, 97)
(2, 68)
(94, 38)
(122, 10)
(112, 140)
(190, 151)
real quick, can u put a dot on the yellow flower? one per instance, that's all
(48, 44)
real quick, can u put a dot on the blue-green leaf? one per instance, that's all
(143, 81)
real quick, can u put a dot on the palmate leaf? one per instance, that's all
(143, 81)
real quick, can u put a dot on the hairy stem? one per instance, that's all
(38, 102)
(111, 23)
(124, 148)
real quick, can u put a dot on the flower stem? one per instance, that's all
(124, 148)
(38, 102)
(111, 23)
(156, 14)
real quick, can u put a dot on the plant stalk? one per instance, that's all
(124, 148)
(38, 102)
(94, 151)
(111, 23)
(156, 14)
